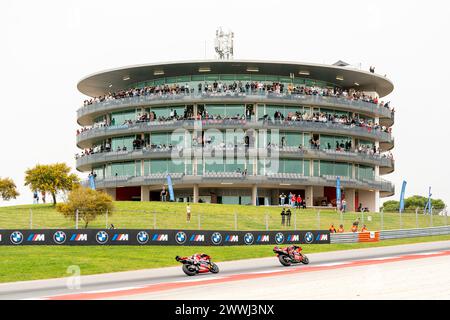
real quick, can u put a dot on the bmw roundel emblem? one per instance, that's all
(279, 238)
(59, 237)
(309, 237)
(249, 238)
(142, 237)
(101, 237)
(180, 237)
(16, 237)
(216, 238)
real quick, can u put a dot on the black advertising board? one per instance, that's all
(136, 237)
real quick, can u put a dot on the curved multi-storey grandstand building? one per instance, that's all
(239, 132)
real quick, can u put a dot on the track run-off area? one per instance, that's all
(416, 271)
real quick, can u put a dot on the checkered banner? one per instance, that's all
(99, 237)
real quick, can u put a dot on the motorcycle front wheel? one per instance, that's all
(305, 260)
(284, 260)
(214, 268)
(189, 270)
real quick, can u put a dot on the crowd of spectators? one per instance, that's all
(239, 87)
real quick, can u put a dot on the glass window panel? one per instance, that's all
(216, 110)
(292, 166)
(326, 168)
(158, 166)
(159, 138)
(175, 167)
(293, 139)
(341, 169)
(233, 110)
(306, 168)
(316, 168)
(161, 111)
(138, 168)
(146, 167)
(227, 77)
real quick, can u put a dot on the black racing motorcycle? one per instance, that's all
(197, 263)
(290, 256)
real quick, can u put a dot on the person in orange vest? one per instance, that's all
(364, 229)
(332, 229)
(354, 228)
(341, 229)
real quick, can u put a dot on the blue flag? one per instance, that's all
(338, 192)
(169, 183)
(92, 181)
(402, 198)
(429, 201)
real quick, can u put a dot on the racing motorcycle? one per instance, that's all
(197, 263)
(290, 255)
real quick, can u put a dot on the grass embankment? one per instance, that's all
(149, 215)
(32, 263)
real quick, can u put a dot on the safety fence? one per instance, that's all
(376, 236)
(205, 217)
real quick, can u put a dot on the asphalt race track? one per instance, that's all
(419, 271)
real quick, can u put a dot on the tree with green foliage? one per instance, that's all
(89, 203)
(51, 178)
(8, 189)
(412, 203)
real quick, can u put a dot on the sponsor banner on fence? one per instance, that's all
(372, 236)
(135, 237)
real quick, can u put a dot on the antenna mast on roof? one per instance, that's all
(223, 44)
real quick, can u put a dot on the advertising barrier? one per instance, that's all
(127, 237)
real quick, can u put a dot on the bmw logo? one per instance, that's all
(309, 237)
(249, 238)
(279, 238)
(59, 237)
(101, 237)
(216, 238)
(16, 237)
(180, 237)
(142, 237)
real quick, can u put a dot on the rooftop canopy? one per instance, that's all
(103, 82)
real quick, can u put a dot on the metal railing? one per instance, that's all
(210, 217)
(297, 126)
(251, 97)
(393, 234)
(239, 152)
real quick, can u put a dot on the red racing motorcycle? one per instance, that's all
(197, 263)
(291, 255)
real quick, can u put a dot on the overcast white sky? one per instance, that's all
(48, 46)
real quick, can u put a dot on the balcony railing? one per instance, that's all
(304, 126)
(238, 152)
(315, 100)
(233, 178)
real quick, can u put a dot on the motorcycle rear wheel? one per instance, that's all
(284, 261)
(189, 270)
(214, 268)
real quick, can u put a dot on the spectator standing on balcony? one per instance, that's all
(282, 198)
(299, 201)
(344, 206)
